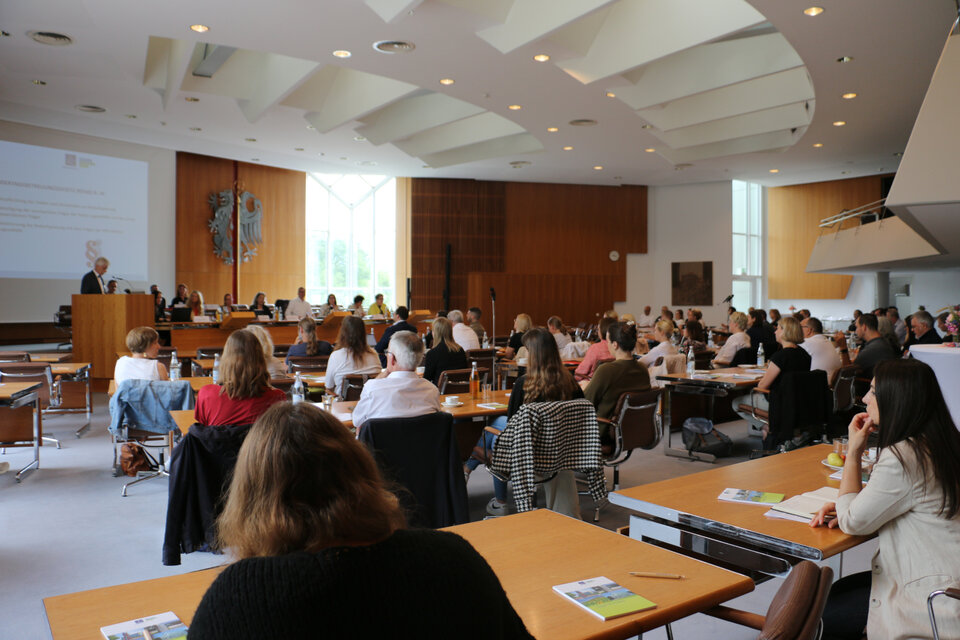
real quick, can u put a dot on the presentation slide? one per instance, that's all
(60, 210)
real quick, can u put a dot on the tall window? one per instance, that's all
(351, 238)
(747, 244)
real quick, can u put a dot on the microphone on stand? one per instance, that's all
(726, 300)
(493, 294)
(114, 276)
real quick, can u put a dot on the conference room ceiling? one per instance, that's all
(681, 91)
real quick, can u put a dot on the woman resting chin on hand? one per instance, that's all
(912, 503)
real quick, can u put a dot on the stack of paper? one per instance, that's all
(803, 507)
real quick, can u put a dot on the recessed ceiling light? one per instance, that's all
(610, 94)
(195, 129)
(89, 108)
(514, 107)
(343, 157)
(618, 177)
(342, 53)
(359, 138)
(255, 159)
(598, 167)
(552, 129)
(813, 11)
(50, 37)
(898, 154)
(518, 164)
(646, 126)
(843, 173)
(131, 116)
(366, 163)
(568, 148)
(650, 150)
(774, 170)
(682, 166)
(298, 149)
(541, 57)
(839, 123)
(394, 46)
(817, 145)
(311, 127)
(192, 99)
(583, 122)
(4, 34)
(843, 59)
(199, 28)
(849, 96)
(250, 139)
(447, 81)
(40, 83)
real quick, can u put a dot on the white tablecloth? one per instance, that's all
(945, 362)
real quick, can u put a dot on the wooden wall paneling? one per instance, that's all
(793, 214)
(197, 178)
(279, 267)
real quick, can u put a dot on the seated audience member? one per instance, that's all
(628, 318)
(351, 355)
(330, 306)
(158, 297)
(445, 354)
(462, 334)
(805, 313)
(307, 343)
(259, 305)
(402, 393)
(357, 307)
(853, 325)
(546, 380)
(378, 308)
(275, 366)
(823, 355)
(112, 286)
(694, 313)
(615, 378)
(922, 325)
(774, 317)
(317, 537)
(661, 333)
(761, 333)
(159, 307)
(678, 317)
(667, 315)
(899, 326)
(611, 314)
(299, 307)
(244, 392)
(912, 504)
(597, 354)
(195, 303)
(885, 327)
(874, 350)
(144, 344)
(181, 297)
(227, 305)
(693, 336)
(399, 324)
(790, 357)
(559, 332)
(473, 320)
(521, 324)
(646, 319)
(738, 339)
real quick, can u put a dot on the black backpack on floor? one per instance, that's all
(700, 435)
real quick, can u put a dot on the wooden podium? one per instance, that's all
(100, 326)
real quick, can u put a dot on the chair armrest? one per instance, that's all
(736, 616)
(604, 420)
(763, 391)
(492, 430)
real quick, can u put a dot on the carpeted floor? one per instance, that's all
(66, 528)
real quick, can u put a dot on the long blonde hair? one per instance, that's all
(243, 369)
(443, 332)
(303, 483)
(546, 378)
(263, 337)
(523, 323)
(200, 298)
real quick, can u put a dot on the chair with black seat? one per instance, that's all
(743, 356)
(14, 356)
(702, 359)
(845, 404)
(420, 456)
(281, 350)
(63, 321)
(351, 386)
(636, 424)
(485, 359)
(458, 380)
(796, 611)
(35, 372)
(204, 353)
(801, 400)
(308, 364)
(282, 305)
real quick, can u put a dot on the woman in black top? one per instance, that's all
(323, 550)
(521, 325)
(259, 304)
(445, 355)
(761, 333)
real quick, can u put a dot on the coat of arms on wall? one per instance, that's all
(221, 225)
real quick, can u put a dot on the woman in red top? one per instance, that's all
(244, 391)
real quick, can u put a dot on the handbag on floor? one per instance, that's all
(133, 458)
(700, 435)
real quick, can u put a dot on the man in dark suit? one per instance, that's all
(399, 324)
(93, 280)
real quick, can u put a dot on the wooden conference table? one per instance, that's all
(685, 513)
(14, 395)
(530, 553)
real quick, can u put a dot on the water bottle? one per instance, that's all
(710, 342)
(486, 341)
(760, 359)
(279, 313)
(691, 361)
(174, 367)
(216, 369)
(297, 389)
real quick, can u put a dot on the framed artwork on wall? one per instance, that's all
(691, 283)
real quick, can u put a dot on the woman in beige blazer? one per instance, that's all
(912, 503)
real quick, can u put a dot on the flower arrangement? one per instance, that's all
(952, 322)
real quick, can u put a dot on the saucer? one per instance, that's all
(451, 406)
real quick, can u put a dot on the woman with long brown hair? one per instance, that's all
(244, 392)
(546, 380)
(307, 343)
(446, 354)
(319, 540)
(351, 354)
(556, 328)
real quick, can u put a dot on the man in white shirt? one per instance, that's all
(823, 355)
(298, 306)
(645, 319)
(899, 326)
(462, 334)
(402, 393)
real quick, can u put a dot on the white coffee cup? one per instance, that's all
(420, 370)
(452, 400)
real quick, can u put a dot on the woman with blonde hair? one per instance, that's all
(144, 345)
(195, 303)
(274, 365)
(559, 332)
(313, 528)
(244, 392)
(738, 340)
(307, 343)
(446, 354)
(521, 325)
(662, 332)
(351, 354)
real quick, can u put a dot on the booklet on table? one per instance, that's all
(746, 496)
(162, 626)
(603, 597)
